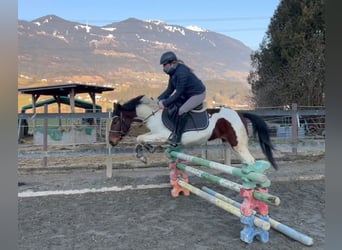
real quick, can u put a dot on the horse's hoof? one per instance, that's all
(143, 159)
(138, 148)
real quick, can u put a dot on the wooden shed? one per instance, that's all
(61, 93)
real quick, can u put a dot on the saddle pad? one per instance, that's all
(195, 120)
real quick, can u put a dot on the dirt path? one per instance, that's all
(151, 219)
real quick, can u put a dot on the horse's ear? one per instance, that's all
(144, 99)
(116, 105)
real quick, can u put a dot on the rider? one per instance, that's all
(185, 87)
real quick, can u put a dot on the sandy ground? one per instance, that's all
(134, 209)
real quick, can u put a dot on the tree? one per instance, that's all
(289, 66)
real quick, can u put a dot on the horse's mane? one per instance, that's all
(131, 104)
(149, 101)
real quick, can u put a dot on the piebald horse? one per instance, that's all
(226, 124)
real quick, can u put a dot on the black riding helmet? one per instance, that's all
(168, 57)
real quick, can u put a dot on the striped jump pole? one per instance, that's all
(257, 177)
(264, 225)
(265, 197)
(286, 230)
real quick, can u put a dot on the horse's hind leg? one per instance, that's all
(244, 153)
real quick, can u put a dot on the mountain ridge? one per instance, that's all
(125, 52)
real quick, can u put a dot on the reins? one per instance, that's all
(152, 114)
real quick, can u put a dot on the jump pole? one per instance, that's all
(267, 198)
(286, 230)
(255, 193)
(258, 177)
(264, 225)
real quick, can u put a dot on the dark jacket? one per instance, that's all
(186, 84)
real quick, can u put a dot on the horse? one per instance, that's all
(225, 124)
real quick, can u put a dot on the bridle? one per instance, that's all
(122, 123)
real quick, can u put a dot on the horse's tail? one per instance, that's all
(260, 127)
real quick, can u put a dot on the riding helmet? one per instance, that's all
(168, 57)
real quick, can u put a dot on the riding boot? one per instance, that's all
(176, 135)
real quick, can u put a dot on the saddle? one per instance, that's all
(198, 118)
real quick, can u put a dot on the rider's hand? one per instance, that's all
(161, 105)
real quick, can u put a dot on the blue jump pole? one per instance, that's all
(264, 225)
(288, 231)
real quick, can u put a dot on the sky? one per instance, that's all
(244, 20)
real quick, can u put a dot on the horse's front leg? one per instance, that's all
(153, 138)
(151, 142)
(140, 153)
(154, 148)
(149, 148)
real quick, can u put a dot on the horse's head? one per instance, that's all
(123, 117)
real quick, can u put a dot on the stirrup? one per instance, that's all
(171, 136)
(172, 139)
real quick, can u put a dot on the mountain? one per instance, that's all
(125, 52)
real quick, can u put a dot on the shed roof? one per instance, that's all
(65, 89)
(62, 99)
